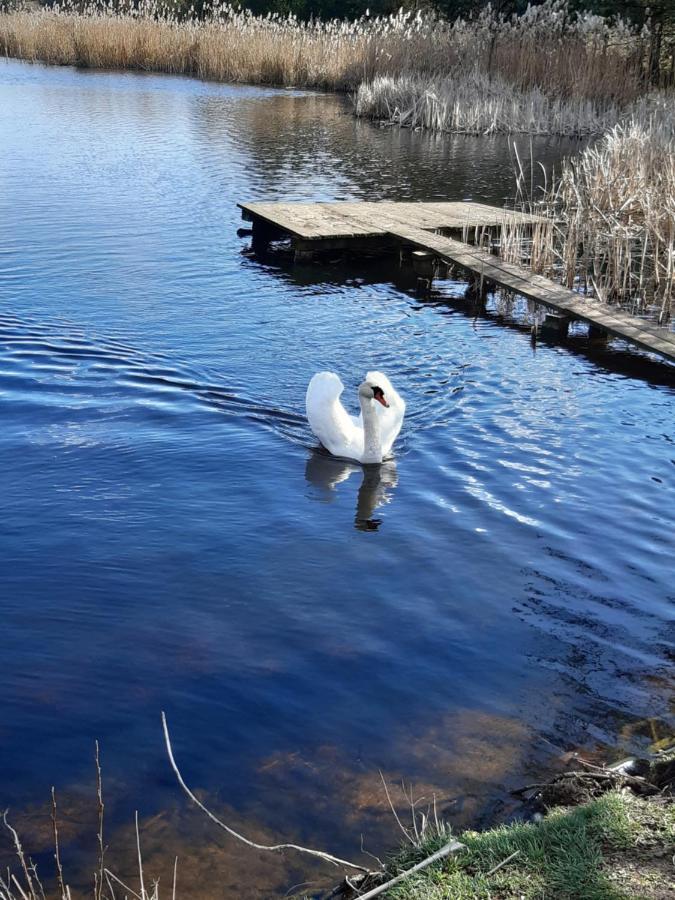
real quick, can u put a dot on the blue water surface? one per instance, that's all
(497, 595)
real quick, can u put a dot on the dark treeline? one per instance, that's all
(637, 11)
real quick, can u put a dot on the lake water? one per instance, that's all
(497, 595)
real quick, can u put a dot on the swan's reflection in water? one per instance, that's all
(378, 481)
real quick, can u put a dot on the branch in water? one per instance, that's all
(327, 857)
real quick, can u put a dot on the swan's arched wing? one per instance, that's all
(390, 419)
(328, 418)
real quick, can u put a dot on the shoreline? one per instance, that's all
(599, 832)
(548, 71)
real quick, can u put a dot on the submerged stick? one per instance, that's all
(327, 857)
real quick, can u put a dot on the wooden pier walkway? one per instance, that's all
(383, 226)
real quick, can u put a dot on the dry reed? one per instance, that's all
(610, 229)
(543, 72)
(470, 102)
(547, 49)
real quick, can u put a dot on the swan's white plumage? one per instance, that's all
(342, 434)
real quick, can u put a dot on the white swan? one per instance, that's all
(368, 438)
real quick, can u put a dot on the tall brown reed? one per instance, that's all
(587, 58)
(610, 229)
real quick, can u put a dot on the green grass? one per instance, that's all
(560, 858)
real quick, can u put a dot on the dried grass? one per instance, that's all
(610, 229)
(547, 49)
(545, 72)
(470, 102)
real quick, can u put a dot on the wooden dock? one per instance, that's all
(386, 226)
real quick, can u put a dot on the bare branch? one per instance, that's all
(126, 887)
(327, 857)
(98, 890)
(140, 859)
(22, 859)
(451, 847)
(372, 855)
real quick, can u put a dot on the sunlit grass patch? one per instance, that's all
(560, 858)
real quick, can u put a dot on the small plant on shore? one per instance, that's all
(568, 855)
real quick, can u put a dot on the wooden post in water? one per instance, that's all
(261, 236)
(597, 334)
(477, 292)
(423, 263)
(555, 325)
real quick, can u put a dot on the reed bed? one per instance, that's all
(548, 50)
(610, 228)
(545, 72)
(471, 102)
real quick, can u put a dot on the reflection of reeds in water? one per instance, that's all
(610, 218)
(546, 49)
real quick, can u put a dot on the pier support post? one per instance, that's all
(261, 236)
(303, 256)
(476, 292)
(423, 287)
(555, 325)
(423, 263)
(597, 334)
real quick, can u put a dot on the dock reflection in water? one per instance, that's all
(376, 489)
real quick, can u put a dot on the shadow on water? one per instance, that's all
(456, 295)
(325, 472)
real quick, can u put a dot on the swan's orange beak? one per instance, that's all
(380, 399)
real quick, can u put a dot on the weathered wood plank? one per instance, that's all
(541, 290)
(315, 221)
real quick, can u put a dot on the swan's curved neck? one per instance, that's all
(372, 438)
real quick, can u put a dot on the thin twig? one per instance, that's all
(34, 870)
(335, 860)
(395, 814)
(175, 872)
(372, 855)
(57, 855)
(140, 859)
(126, 887)
(20, 889)
(110, 885)
(98, 892)
(502, 863)
(21, 855)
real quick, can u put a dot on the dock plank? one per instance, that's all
(327, 225)
(541, 290)
(353, 219)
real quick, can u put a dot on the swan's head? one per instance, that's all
(371, 391)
